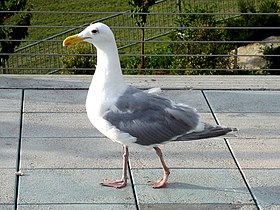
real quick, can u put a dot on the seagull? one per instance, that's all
(130, 116)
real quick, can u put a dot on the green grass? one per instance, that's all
(39, 60)
(68, 19)
(37, 33)
(100, 6)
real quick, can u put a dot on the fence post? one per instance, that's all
(179, 6)
(235, 65)
(3, 65)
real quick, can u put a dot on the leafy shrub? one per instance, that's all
(160, 61)
(252, 20)
(74, 60)
(196, 50)
(272, 62)
(130, 63)
(152, 62)
(11, 36)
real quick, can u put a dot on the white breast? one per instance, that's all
(97, 104)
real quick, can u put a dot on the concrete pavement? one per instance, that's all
(45, 134)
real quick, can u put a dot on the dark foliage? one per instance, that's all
(12, 35)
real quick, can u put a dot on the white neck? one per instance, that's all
(108, 72)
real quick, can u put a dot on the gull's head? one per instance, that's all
(97, 33)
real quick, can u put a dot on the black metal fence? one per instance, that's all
(183, 36)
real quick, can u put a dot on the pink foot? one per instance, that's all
(160, 183)
(114, 183)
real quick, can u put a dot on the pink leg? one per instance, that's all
(123, 181)
(162, 182)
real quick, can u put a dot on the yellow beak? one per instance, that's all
(72, 40)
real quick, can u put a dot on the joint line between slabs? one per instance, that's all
(133, 186)
(19, 152)
(233, 155)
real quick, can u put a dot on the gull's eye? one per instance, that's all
(94, 31)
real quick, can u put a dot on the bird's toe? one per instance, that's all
(114, 183)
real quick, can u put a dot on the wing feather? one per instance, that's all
(150, 118)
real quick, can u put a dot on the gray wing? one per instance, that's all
(150, 118)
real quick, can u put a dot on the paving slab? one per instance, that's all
(97, 153)
(65, 186)
(10, 100)
(257, 153)
(7, 183)
(58, 125)
(55, 100)
(244, 101)
(265, 184)
(64, 158)
(79, 207)
(70, 153)
(184, 206)
(193, 186)
(229, 82)
(271, 207)
(252, 125)
(193, 154)
(7, 207)
(8, 152)
(10, 124)
(44, 81)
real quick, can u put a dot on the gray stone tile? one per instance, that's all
(79, 207)
(193, 186)
(184, 206)
(265, 184)
(55, 100)
(97, 153)
(44, 81)
(241, 82)
(58, 125)
(10, 100)
(7, 183)
(270, 207)
(8, 152)
(257, 153)
(10, 124)
(70, 153)
(244, 101)
(79, 186)
(7, 206)
(193, 98)
(194, 154)
(252, 125)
